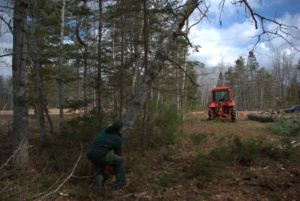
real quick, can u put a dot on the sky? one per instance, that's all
(234, 38)
(224, 43)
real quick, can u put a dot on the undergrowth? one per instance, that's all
(284, 128)
(252, 151)
(152, 169)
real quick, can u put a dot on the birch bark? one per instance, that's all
(161, 55)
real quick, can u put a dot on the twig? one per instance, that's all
(280, 27)
(12, 156)
(200, 20)
(192, 81)
(57, 189)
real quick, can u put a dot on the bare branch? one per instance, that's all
(221, 8)
(203, 16)
(280, 27)
(252, 12)
(12, 156)
(5, 55)
(192, 81)
(71, 174)
(8, 23)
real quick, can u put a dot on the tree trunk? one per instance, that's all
(137, 51)
(183, 94)
(146, 69)
(99, 59)
(20, 117)
(60, 75)
(38, 82)
(156, 66)
(122, 63)
(85, 77)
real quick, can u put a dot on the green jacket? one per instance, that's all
(108, 139)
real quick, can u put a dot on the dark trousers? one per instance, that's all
(117, 162)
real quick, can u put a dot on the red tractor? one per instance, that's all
(222, 105)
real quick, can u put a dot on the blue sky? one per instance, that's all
(218, 43)
(235, 37)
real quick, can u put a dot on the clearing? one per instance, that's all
(184, 170)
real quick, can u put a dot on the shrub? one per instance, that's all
(198, 138)
(206, 168)
(284, 128)
(163, 125)
(249, 150)
(287, 150)
(165, 180)
(82, 128)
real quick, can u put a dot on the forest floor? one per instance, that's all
(200, 165)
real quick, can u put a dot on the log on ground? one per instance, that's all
(273, 117)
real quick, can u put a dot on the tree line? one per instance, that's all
(114, 56)
(256, 87)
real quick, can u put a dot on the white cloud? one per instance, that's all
(238, 38)
(293, 35)
(221, 43)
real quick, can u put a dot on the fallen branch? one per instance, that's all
(12, 156)
(57, 189)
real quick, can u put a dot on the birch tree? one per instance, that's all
(160, 57)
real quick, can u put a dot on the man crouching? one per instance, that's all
(100, 153)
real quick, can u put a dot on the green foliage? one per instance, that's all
(164, 125)
(165, 180)
(222, 153)
(82, 128)
(284, 128)
(287, 150)
(206, 167)
(79, 191)
(252, 150)
(249, 150)
(8, 197)
(54, 151)
(198, 138)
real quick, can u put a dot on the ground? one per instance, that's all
(171, 172)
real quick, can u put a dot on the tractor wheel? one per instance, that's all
(234, 114)
(209, 114)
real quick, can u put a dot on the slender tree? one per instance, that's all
(146, 69)
(122, 60)
(60, 68)
(99, 74)
(252, 67)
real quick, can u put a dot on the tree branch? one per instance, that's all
(280, 27)
(12, 156)
(57, 189)
(7, 23)
(161, 55)
(191, 79)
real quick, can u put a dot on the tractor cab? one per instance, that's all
(220, 96)
(222, 104)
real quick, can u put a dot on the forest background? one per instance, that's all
(122, 61)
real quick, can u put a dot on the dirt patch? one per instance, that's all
(242, 115)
